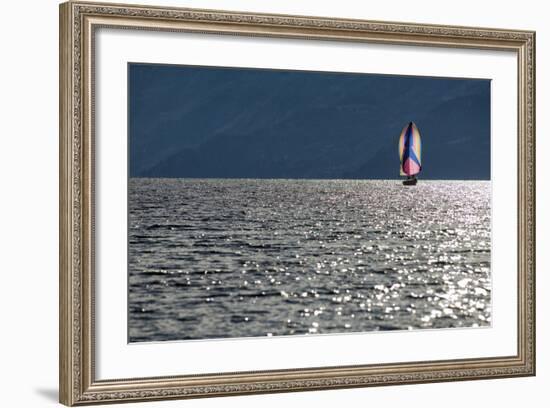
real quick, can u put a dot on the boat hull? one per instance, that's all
(410, 182)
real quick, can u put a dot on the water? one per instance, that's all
(241, 258)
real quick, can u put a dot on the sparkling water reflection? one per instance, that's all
(240, 258)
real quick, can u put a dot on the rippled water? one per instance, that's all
(240, 258)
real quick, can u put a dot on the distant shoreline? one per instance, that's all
(296, 178)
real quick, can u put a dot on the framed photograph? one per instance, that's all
(256, 203)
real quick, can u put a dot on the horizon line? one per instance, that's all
(303, 178)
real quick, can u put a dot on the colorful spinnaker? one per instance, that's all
(410, 151)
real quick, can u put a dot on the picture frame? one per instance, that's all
(79, 23)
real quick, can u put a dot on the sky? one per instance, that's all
(219, 122)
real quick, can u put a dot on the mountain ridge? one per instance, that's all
(288, 124)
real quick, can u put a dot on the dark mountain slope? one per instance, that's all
(213, 122)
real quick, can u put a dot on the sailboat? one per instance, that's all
(410, 151)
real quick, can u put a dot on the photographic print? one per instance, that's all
(285, 211)
(276, 202)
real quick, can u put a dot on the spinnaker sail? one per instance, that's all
(410, 151)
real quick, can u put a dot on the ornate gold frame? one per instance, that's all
(78, 20)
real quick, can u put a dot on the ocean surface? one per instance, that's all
(219, 258)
